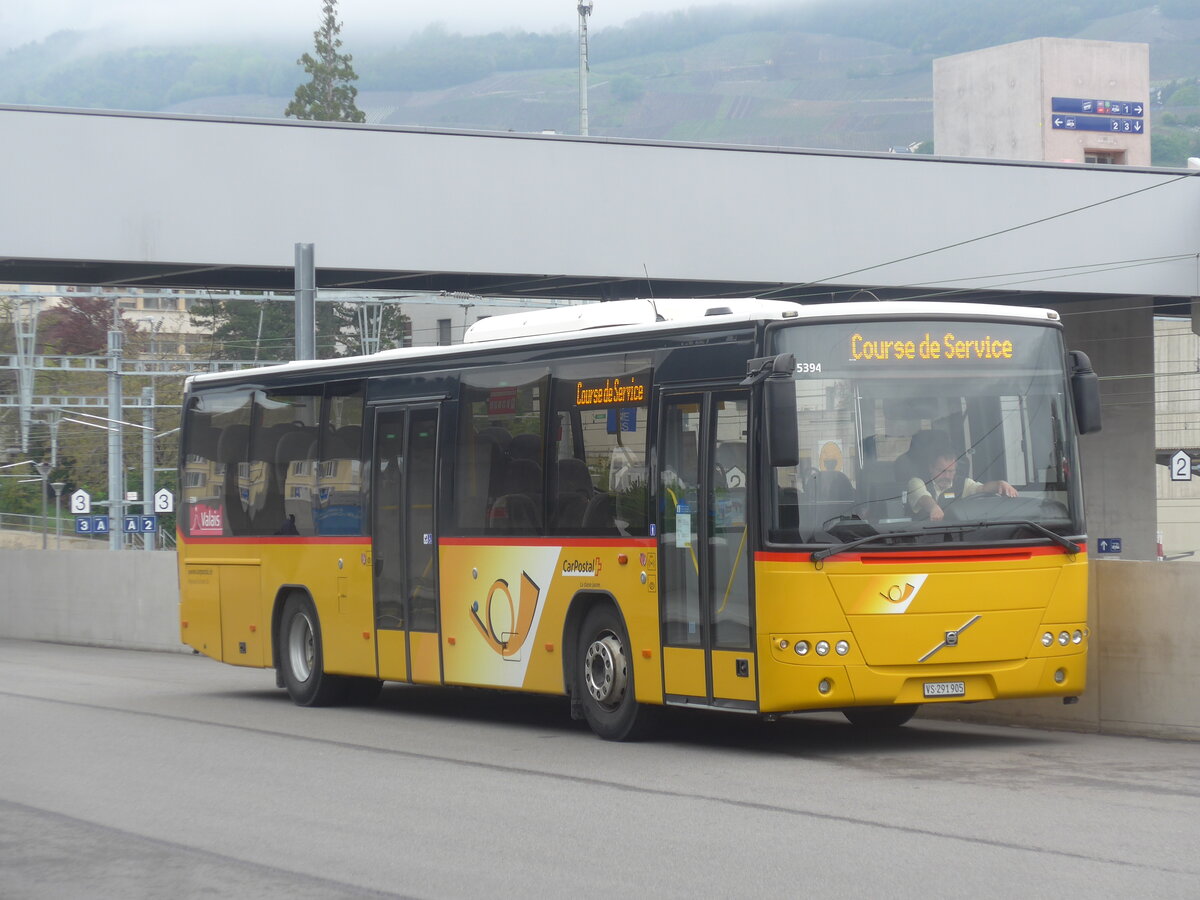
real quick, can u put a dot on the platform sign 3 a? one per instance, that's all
(91, 525)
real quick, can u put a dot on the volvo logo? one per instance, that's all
(951, 637)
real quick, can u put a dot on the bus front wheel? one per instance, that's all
(880, 716)
(605, 679)
(301, 659)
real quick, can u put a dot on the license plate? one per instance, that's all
(945, 689)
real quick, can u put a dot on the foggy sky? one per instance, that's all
(22, 21)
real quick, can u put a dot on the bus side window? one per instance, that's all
(598, 483)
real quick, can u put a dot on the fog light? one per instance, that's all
(801, 648)
(825, 686)
(822, 648)
(1064, 638)
(1077, 637)
(1047, 639)
(783, 643)
(842, 648)
(1060, 676)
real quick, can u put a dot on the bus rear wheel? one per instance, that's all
(605, 679)
(880, 716)
(301, 659)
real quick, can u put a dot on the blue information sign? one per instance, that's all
(1109, 545)
(1098, 123)
(100, 524)
(1098, 107)
(148, 524)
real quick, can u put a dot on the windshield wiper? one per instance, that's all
(1068, 545)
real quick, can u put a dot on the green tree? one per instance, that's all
(329, 95)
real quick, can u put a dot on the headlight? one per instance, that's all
(1064, 639)
(1077, 637)
(842, 647)
(802, 648)
(822, 648)
(1047, 639)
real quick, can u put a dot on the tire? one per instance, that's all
(881, 716)
(604, 683)
(301, 660)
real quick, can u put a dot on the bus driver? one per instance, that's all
(928, 497)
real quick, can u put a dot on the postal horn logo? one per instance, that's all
(507, 635)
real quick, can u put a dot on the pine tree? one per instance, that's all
(329, 95)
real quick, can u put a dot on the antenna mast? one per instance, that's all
(585, 10)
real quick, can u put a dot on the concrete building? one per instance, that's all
(1049, 99)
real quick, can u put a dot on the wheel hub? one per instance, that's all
(301, 647)
(605, 672)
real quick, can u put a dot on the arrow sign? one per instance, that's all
(1058, 123)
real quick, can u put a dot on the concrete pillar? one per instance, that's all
(1120, 488)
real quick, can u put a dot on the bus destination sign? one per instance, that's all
(629, 390)
(947, 346)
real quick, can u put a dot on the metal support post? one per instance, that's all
(148, 462)
(43, 470)
(306, 302)
(585, 10)
(58, 489)
(116, 448)
(26, 326)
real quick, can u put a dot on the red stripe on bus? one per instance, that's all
(277, 539)
(546, 542)
(998, 554)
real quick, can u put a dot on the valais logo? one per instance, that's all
(206, 520)
(581, 568)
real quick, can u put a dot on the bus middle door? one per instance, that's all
(404, 543)
(708, 656)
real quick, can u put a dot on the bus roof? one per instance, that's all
(629, 318)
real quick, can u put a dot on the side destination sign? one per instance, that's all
(1097, 107)
(1098, 123)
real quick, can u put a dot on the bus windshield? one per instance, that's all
(938, 429)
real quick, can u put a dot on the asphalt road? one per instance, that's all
(126, 774)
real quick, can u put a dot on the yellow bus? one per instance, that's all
(753, 506)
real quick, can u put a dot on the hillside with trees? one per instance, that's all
(837, 74)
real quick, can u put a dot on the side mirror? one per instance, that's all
(779, 407)
(1085, 391)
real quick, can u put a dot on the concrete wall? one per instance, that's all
(1142, 674)
(128, 599)
(1118, 462)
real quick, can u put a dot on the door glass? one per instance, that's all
(419, 536)
(727, 534)
(679, 496)
(386, 546)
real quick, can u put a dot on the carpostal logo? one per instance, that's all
(581, 568)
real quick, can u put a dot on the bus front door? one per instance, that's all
(404, 543)
(707, 616)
